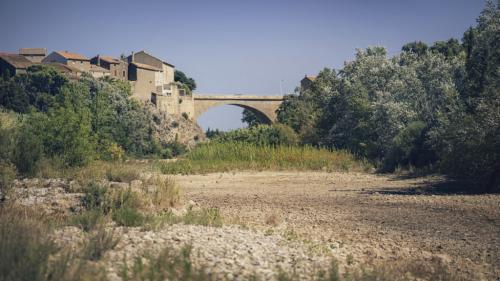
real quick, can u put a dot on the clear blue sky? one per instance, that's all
(234, 46)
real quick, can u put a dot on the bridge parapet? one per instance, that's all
(237, 97)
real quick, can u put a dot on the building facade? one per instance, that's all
(117, 68)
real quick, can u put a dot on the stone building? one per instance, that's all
(13, 64)
(33, 54)
(72, 59)
(117, 68)
(153, 80)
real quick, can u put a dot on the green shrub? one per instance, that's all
(97, 198)
(7, 175)
(276, 134)
(28, 149)
(121, 204)
(128, 216)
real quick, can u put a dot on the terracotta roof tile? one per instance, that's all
(71, 56)
(109, 59)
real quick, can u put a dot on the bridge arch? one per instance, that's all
(264, 107)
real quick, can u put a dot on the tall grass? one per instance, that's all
(227, 156)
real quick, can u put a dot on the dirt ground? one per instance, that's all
(363, 217)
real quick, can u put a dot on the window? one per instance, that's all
(124, 73)
(116, 73)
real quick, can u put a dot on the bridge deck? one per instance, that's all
(237, 97)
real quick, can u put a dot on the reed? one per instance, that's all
(229, 156)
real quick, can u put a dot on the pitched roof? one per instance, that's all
(142, 51)
(145, 66)
(17, 61)
(312, 78)
(71, 56)
(107, 59)
(33, 51)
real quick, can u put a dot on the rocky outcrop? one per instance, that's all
(170, 128)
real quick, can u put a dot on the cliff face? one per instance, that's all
(170, 128)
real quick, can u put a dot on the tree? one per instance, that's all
(417, 47)
(251, 118)
(450, 48)
(179, 76)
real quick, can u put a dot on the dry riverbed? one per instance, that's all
(362, 218)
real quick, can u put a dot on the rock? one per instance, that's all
(170, 128)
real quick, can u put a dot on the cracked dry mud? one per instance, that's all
(362, 217)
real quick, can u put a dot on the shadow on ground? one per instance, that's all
(441, 186)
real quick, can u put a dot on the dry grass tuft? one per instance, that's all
(273, 219)
(162, 193)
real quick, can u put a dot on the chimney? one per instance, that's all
(133, 59)
(99, 60)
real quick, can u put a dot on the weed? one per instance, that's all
(25, 246)
(7, 175)
(87, 220)
(168, 265)
(349, 259)
(122, 173)
(206, 216)
(164, 194)
(127, 216)
(122, 204)
(100, 241)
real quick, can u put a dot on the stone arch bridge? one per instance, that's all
(263, 106)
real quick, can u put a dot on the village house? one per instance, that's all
(33, 54)
(72, 59)
(12, 64)
(117, 68)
